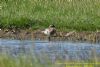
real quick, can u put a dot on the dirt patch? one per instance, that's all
(30, 34)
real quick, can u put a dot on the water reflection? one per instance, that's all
(58, 50)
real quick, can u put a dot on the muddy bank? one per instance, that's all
(30, 34)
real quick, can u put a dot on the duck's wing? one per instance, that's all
(46, 32)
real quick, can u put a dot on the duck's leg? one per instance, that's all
(49, 38)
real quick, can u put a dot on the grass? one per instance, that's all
(80, 15)
(21, 61)
(42, 60)
(28, 61)
(24, 57)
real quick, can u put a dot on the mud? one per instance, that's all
(36, 34)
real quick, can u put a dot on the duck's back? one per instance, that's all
(52, 31)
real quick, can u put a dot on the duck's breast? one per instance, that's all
(47, 32)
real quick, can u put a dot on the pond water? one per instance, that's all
(54, 50)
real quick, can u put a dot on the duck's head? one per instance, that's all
(52, 25)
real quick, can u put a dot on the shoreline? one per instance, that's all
(30, 34)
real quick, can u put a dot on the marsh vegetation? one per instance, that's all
(42, 53)
(24, 19)
(80, 15)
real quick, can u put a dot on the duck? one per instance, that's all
(50, 31)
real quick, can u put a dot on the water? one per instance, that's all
(54, 50)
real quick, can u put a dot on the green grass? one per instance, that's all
(80, 15)
(32, 59)
(28, 61)
(21, 61)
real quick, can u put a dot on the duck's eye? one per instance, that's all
(51, 26)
